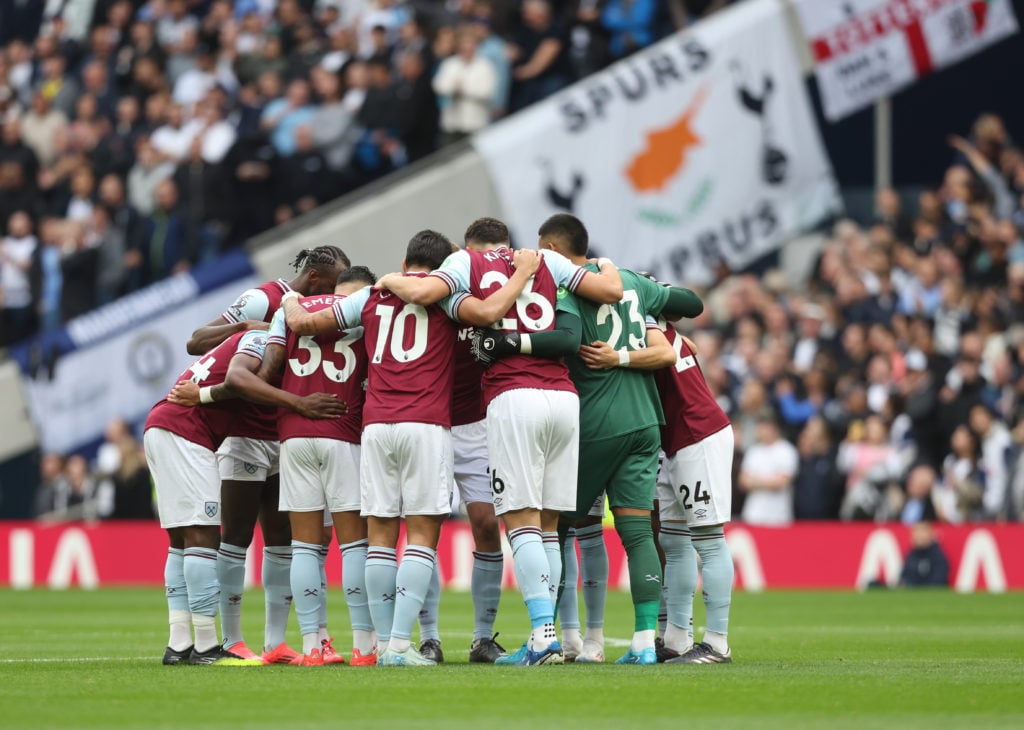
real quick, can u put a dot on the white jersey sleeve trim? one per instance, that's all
(278, 332)
(455, 272)
(252, 343)
(563, 271)
(251, 304)
(349, 311)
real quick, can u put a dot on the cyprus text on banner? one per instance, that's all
(864, 49)
(698, 151)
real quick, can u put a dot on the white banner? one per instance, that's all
(124, 375)
(864, 49)
(696, 152)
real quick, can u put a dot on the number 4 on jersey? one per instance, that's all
(201, 369)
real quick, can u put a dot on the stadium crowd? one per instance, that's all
(142, 137)
(887, 386)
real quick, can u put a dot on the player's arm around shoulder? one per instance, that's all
(604, 287)
(302, 322)
(451, 278)
(245, 313)
(247, 378)
(658, 354)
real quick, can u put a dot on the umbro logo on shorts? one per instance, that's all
(211, 509)
(700, 513)
(251, 468)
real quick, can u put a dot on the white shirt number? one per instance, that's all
(316, 360)
(542, 322)
(607, 311)
(396, 333)
(201, 369)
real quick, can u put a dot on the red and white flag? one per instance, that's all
(865, 49)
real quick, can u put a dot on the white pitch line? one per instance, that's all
(55, 660)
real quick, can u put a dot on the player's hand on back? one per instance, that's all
(257, 324)
(528, 259)
(599, 355)
(184, 393)
(321, 406)
(382, 282)
(489, 345)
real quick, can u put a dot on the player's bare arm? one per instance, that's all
(186, 392)
(485, 312)
(603, 288)
(216, 331)
(273, 362)
(422, 290)
(657, 355)
(307, 323)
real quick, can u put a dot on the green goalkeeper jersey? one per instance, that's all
(619, 400)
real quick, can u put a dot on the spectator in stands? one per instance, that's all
(17, 249)
(309, 180)
(767, 474)
(921, 492)
(996, 446)
(79, 268)
(51, 483)
(921, 394)
(925, 564)
(416, 107)
(871, 464)
(164, 243)
(378, 150)
(47, 275)
(110, 246)
(41, 127)
(200, 184)
(251, 165)
(145, 176)
(815, 486)
(540, 65)
(333, 125)
(123, 489)
(282, 117)
(74, 495)
(630, 24)
(962, 490)
(492, 47)
(465, 83)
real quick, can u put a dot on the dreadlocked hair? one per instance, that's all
(310, 258)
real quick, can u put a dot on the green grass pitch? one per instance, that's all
(804, 659)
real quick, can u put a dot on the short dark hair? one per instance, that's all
(570, 228)
(428, 248)
(311, 258)
(358, 274)
(486, 230)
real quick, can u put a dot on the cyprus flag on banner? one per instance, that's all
(697, 152)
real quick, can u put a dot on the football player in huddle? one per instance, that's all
(532, 408)
(695, 501)
(180, 443)
(619, 418)
(406, 460)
